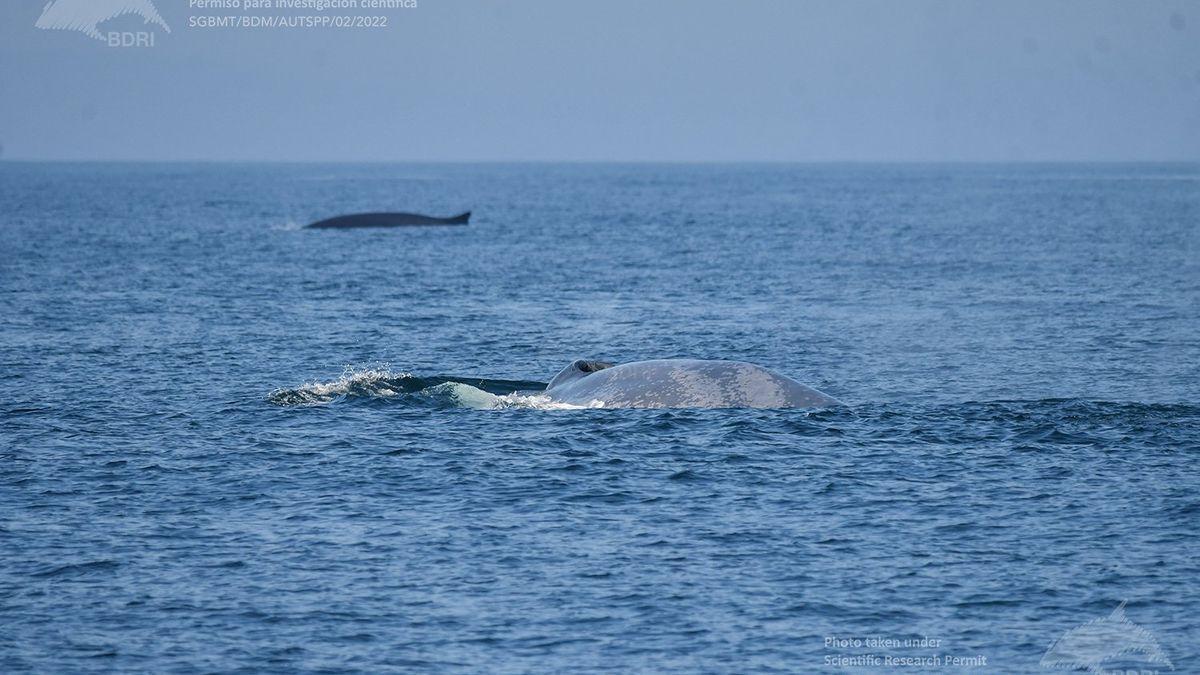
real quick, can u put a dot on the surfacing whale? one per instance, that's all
(387, 220)
(681, 383)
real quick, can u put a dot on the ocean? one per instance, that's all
(230, 444)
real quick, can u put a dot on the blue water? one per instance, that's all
(228, 442)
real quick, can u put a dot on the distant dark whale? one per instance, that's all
(388, 220)
(680, 383)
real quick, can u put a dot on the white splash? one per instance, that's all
(362, 382)
(472, 397)
(380, 382)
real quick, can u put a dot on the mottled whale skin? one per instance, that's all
(355, 220)
(681, 383)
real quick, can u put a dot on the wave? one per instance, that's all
(438, 391)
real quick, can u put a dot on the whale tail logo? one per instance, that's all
(86, 16)
(1099, 641)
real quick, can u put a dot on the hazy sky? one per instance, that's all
(618, 80)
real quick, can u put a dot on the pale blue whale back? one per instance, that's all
(681, 383)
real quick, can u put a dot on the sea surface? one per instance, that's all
(228, 443)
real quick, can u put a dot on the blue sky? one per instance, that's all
(462, 80)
